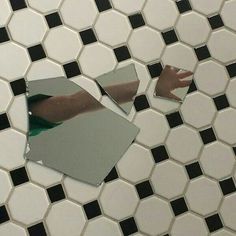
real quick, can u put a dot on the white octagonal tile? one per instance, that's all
(222, 45)
(228, 211)
(118, 199)
(203, 195)
(153, 216)
(146, 44)
(81, 192)
(153, 127)
(184, 143)
(128, 7)
(230, 92)
(112, 27)
(206, 7)
(102, 226)
(169, 179)
(136, 164)
(31, 208)
(91, 63)
(209, 73)
(198, 110)
(223, 232)
(217, 160)
(5, 186)
(228, 14)
(62, 44)
(223, 124)
(83, 12)
(193, 28)
(65, 218)
(5, 12)
(12, 229)
(5, 95)
(27, 27)
(156, 11)
(189, 224)
(44, 5)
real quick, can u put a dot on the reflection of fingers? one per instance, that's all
(184, 74)
(185, 83)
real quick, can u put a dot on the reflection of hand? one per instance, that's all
(169, 80)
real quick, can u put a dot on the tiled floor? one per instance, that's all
(179, 176)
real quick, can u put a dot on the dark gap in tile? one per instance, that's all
(19, 176)
(159, 153)
(227, 186)
(213, 223)
(221, 102)
(122, 53)
(192, 87)
(88, 36)
(72, 69)
(207, 135)
(112, 175)
(141, 103)
(174, 119)
(53, 19)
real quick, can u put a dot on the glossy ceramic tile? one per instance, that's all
(178, 178)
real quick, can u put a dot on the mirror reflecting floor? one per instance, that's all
(178, 177)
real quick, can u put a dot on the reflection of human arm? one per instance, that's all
(60, 108)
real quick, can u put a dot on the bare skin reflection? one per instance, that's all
(61, 108)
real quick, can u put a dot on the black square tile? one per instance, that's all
(194, 170)
(155, 69)
(4, 121)
(18, 4)
(213, 223)
(215, 21)
(183, 6)
(174, 119)
(3, 214)
(88, 36)
(192, 87)
(3, 35)
(103, 5)
(227, 186)
(207, 135)
(36, 52)
(53, 19)
(72, 69)
(141, 103)
(18, 86)
(122, 53)
(169, 37)
(202, 52)
(231, 68)
(37, 230)
(112, 175)
(179, 206)
(144, 189)
(136, 20)
(159, 153)
(19, 176)
(128, 226)
(92, 209)
(221, 102)
(56, 193)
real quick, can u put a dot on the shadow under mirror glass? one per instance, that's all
(72, 132)
(173, 84)
(121, 86)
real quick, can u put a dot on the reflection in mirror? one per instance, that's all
(121, 86)
(173, 84)
(72, 132)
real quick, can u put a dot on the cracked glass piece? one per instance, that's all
(121, 86)
(170, 88)
(72, 132)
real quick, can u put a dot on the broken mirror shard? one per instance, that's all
(87, 145)
(172, 91)
(121, 86)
